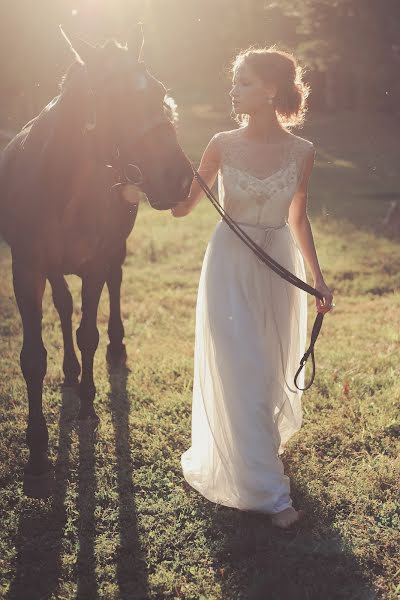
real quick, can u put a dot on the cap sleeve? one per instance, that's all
(219, 140)
(307, 151)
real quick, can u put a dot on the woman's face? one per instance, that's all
(249, 93)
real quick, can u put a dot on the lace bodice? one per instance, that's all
(257, 181)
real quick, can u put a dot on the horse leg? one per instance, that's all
(87, 337)
(63, 302)
(29, 287)
(116, 351)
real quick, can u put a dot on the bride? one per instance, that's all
(251, 324)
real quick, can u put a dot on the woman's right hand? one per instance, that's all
(181, 209)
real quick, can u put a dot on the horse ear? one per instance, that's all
(136, 41)
(83, 51)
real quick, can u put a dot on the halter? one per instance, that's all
(123, 166)
(129, 173)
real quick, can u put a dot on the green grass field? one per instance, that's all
(122, 523)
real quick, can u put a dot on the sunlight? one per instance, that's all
(148, 361)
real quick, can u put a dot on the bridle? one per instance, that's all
(275, 266)
(123, 166)
(127, 172)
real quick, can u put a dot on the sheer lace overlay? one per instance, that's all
(257, 181)
(250, 333)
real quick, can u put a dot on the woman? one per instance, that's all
(250, 323)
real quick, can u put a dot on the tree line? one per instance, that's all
(351, 48)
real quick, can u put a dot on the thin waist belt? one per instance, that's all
(260, 226)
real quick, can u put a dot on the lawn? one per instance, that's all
(122, 523)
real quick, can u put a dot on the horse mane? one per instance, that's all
(111, 46)
(73, 78)
(51, 141)
(52, 118)
(62, 120)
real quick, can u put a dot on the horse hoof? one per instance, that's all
(116, 357)
(39, 486)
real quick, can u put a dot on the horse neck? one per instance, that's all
(77, 111)
(66, 146)
(73, 109)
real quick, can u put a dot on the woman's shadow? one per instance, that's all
(267, 563)
(56, 539)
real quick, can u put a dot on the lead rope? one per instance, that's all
(275, 266)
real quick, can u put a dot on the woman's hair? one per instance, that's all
(279, 68)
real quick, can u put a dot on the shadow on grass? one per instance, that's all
(337, 194)
(264, 562)
(41, 526)
(42, 536)
(132, 578)
(86, 561)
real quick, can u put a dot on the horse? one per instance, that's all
(62, 211)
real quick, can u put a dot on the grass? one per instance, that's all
(122, 523)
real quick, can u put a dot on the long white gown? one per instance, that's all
(250, 333)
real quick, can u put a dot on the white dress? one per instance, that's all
(250, 334)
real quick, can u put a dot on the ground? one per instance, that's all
(122, 523)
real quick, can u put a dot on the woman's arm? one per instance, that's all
(301, 227)
(208, 169)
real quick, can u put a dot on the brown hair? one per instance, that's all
(280, 68)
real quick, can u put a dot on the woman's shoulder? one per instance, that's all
(308, 145)
(228, 135)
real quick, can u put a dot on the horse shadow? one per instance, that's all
(132, 576)
(56, 538)
(308, 562)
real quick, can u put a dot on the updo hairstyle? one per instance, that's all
(280, 68)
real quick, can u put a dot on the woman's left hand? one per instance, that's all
(325, 305)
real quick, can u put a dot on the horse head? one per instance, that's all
(131, 118)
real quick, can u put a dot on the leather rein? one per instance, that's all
(127, 178)
(275, 266)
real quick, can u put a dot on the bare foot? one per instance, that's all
(286, 517)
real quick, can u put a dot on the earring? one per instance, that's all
(270, 100)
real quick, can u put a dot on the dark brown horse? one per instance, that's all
(61, 215)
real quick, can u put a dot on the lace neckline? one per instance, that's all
(259, 160)
(261, 179)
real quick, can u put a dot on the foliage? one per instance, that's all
(190, 45)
